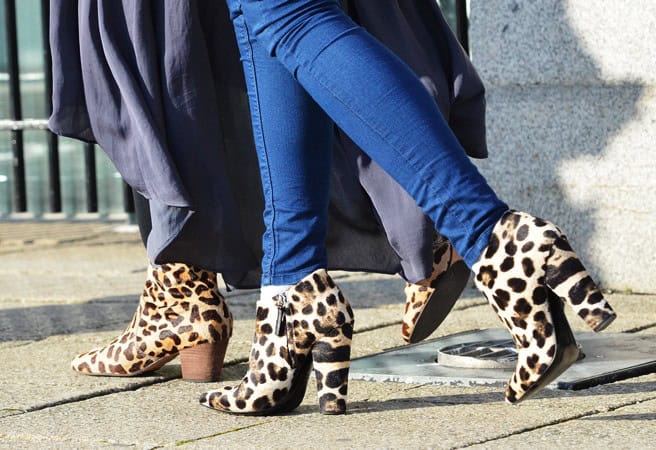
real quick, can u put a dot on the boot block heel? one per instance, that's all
(565, 353)
(311, 322)
(332, 361)
(567, 277)
(203, 362)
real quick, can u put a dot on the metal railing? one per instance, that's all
(16, 125)
(462, 23)
(19, 193)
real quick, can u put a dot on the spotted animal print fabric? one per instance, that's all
(311, 323)
(429, 301)
(527, 263)
(180, 308)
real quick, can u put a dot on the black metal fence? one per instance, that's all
(17, 124)
(462, 23)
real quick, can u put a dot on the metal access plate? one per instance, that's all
(608, 357)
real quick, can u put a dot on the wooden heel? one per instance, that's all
(203, 362)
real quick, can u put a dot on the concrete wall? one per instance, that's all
(572, 123)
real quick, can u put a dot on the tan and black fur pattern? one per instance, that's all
(318, 328)
(445, 284)
(180, 307)
(527, 261)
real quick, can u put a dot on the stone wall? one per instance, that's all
(572, 123)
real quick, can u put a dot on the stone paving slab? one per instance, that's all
(71, 274)
(381, 415)
(145, 418)
(626, 427)
(35, 375)
(49, 359)
(400, 416)
(27, 363)
(385, 403)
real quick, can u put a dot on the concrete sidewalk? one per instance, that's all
(69, 287)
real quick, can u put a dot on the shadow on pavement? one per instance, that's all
(398, 404)
(115, 312)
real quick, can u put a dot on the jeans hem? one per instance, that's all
(289, 278)
(475, 252)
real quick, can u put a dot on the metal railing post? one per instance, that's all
(462, 24)
(90, 177)
(19, 193)
(54, 184)
(128, 199)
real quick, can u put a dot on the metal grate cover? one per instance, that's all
(479, 355)
(609, 357)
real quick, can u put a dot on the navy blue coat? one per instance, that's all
(158, 85)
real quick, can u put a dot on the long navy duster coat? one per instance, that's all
(158, 84)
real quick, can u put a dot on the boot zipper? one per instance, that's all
(281, 319)
(281, 325)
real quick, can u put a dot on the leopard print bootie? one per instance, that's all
(181, 312)
(428, 302)
(310, 322)
(526, 273)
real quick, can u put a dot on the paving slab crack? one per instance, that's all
(82, 397)
(582, 415)
(6, 344)
(134, 387)
(641, 328)
(139, 385)
(221, 433)
(104, 392)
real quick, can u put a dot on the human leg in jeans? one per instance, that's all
(296, 194)
(522, 263)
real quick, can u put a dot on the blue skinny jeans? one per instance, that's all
(305, 63)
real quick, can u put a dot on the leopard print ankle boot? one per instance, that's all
(526, 272)
(428, 302)
(310, 323)
(181, 312)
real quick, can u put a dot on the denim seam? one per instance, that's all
(260, 137)
(382, 137)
